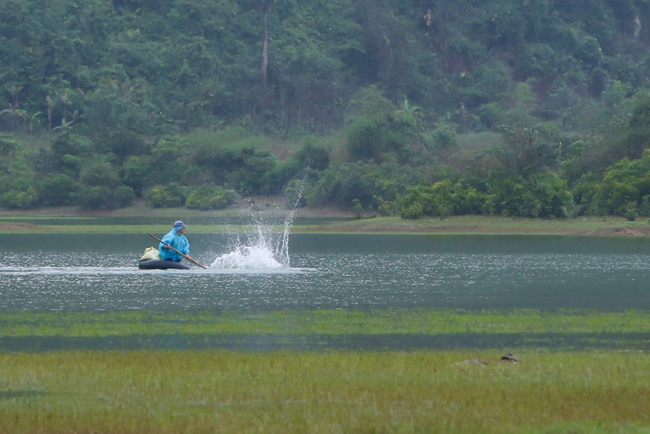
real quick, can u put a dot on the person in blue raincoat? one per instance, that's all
(177, 240)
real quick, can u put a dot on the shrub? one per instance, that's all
(14, 199)
(58, 190)
(134, 173)
(165, 196)
(357, 208)
(100, 197)
(386, 208)
(414, 210)
(416, 202)
(257, 175)
(99, 174)
(71, 144)
(340, 184)
(435, 200)
(543, 195)
(313, 156)
(467, 200)
(622, 189)
(584, 191)
(210, 198)
(96, 198)
(552, 193)
(444, 137)
(123, 196)
(630, 211)
(644, 209)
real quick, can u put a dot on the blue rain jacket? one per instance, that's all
(179, 242)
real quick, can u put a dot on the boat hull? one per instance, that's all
(158, 264)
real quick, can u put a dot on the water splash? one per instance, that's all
(250, 257)
(265, 248)
(252, 251)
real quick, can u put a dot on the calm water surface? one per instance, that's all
(99, 272)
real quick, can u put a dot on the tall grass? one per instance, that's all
(425, 392)
(326, 321)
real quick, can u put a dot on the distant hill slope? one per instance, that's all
(163, 66)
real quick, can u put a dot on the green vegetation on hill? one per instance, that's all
(411, 107)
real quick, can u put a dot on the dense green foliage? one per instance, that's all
(410, 107)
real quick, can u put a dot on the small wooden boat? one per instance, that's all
(159, 264)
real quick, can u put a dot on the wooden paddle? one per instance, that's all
(182, 254)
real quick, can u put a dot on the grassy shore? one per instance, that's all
(490, 225)
(30, 221)
(327, 322)
(396, 392)
(594, 226)
(207, 391)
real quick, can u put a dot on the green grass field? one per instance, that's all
(153, 391)
(369, 392)
(330, 322)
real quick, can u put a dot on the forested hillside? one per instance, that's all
(535, 108)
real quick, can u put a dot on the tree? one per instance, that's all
(58, 190)
(638, 135)
(526, 150)
(99, 173)
(264, 10)
(377, 128)
(14, 114)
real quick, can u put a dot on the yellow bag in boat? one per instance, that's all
(149, 254)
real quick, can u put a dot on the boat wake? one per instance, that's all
(20, 272)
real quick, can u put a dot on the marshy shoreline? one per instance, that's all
(158, 390)
(75, 220)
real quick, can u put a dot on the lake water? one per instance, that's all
(99, 272)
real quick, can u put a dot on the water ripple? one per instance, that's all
(86, 279)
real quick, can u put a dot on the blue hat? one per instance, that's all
(179, 224)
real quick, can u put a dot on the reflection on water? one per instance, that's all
(87, 272)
